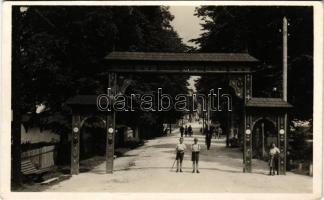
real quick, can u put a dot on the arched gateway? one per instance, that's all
(238, 68)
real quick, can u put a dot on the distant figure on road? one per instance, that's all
(180, 149)
(273, 159)
(190, 130)
(208, 137)
(219, 132)
(186, 131)
(195, 149)
(181, 131)
(165, 130)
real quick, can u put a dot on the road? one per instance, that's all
(148, 169)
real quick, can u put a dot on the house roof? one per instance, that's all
(268, 103)
(188, 57)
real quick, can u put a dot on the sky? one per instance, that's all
(188, 27)
(185, 23)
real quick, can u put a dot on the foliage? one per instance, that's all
(59, 52)
(301, 132)
(257, 31)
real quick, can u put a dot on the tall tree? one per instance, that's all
(61, 51)
(257, 31)
(58, 53)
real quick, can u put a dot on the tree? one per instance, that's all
(58, 53)
(61, 50)
(257, 31)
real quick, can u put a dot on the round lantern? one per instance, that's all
(281, 131)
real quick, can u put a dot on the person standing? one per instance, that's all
(212, 131)
(181, 131)
(186, 131)
(190, 130)
(195, 149)
(180, 149)
(273, 159)
(219, 132)
(208, 138)
(215, 130)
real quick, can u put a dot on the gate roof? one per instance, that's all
(192, 63)
(181, 57)
(268, 103)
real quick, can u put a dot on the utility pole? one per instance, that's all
(262, 132)
(208, 114)
(285, 55)
(282, 142)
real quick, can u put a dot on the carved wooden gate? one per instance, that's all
(238, 67)
(275, 110)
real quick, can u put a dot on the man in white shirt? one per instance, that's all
(195, 149)
(180, 149)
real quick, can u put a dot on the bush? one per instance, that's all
(301, 146)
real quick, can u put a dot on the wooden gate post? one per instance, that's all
(110, 125)
(247, 155)
(75, 143)
(282, 144)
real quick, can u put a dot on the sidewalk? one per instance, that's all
(148, 169)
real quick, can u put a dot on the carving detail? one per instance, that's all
(237, 84)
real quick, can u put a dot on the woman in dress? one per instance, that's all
(273, 156)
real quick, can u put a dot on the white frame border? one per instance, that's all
(5, 105)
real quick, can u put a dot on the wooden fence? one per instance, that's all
(42, 157)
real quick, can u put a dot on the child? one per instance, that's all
(195, 148)
(180, 149)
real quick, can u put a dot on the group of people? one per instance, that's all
(195, 149)
(180, 150)
(186, 131)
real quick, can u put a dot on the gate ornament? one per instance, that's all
(281, 131)
(110, 130)
(75, 129)
(237, 84)
(121, 87)
(247, 131)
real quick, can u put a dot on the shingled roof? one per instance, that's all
(268, 103)
(157, 56)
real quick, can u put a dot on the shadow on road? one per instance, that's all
(185, 170)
